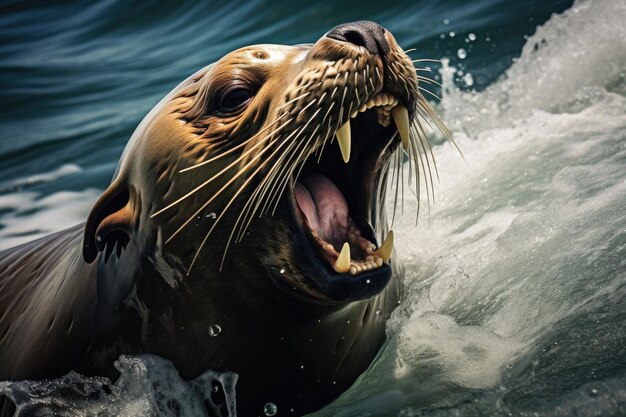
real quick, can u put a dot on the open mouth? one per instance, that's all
(335, 198)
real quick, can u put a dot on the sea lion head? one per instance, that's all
(271, 163)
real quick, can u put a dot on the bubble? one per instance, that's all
(367, 281)
(446, 21)
(379, 312)
(214, 330)
(471, 37)
(452, 34)
(270, 409)
(282, 270)
(461, 53)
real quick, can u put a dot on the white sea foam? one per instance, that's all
(18, 184)
(27, 215)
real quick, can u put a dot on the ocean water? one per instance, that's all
(515, 274)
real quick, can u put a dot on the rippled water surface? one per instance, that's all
(516, 276)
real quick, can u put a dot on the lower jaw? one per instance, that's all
(316, 281)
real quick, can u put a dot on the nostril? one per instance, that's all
(355, 38)
(368, 35)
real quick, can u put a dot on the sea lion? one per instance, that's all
(243, 230)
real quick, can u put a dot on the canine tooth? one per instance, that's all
(386, 248)
(342, 264)
(345, 141)
(401, 117)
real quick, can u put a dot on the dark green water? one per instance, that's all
(516, 280)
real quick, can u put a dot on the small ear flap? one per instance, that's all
(110, 222)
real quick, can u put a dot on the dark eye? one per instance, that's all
(233, 99)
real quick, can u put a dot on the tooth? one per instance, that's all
(344, 140)
(385, 249)
(342, 264)
(401, 117)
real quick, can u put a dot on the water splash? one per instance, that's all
(148, 386)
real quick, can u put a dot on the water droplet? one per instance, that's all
(442, 36)
(461, 53)
(594, 392)
(469, 80)
(367, 281)
(214, 330)
(270, 409)
(301, 366)
(212, 216)
(282, 270)
(452, 34)
(446, 21)
(379, 312)
(99, 238)
(348, 321)
(471, 37)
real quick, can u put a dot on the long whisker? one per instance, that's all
(228, 167)
(239, 191)
(231, 150)
(429, 92)
(426, 60)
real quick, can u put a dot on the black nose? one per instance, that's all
(369, 35)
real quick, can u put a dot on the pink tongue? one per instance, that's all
(325, 208)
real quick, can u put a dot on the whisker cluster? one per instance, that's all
(275, 156)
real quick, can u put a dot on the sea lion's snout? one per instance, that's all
(363, 33)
